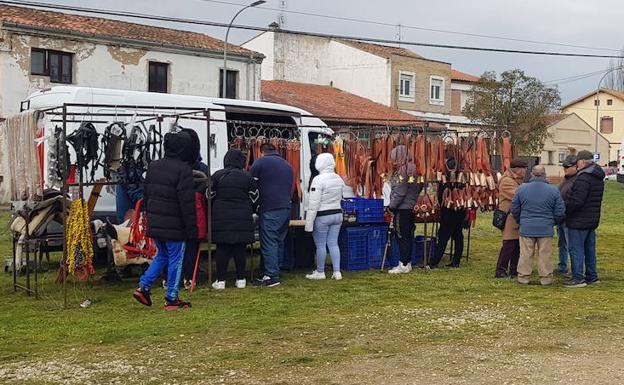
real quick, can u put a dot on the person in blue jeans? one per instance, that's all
(275, 182)
(569, 170)
(171, 218)
(324, 215)
(583, 205)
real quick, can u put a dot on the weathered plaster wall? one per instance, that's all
(109, 66)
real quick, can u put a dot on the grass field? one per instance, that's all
(441, 327)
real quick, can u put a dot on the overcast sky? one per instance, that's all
(576, 22)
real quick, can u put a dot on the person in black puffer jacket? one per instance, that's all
(235, 198)
(171, 217)
(583, 205)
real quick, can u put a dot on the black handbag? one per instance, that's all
(499, 218)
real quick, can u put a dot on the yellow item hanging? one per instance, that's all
(341, 166)
(79, 257)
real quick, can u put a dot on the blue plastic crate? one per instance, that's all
(377, 237)
(418, 251)
(366, 210)
(353, 243)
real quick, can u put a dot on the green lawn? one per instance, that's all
(448, 325)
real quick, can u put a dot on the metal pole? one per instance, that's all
(597, 101)
(209, 201)
(64, 191)
(225, 42)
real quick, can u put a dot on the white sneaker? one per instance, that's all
(315, 275)
(241, 283)
(218, 285)
(401, 269)
(337, 275)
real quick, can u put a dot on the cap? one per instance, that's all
(518, 163)
(585, 155)
(569, 161)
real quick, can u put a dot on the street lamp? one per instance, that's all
(227, 33)
(598, 106)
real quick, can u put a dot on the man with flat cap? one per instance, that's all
(507, 265)
(583, 204)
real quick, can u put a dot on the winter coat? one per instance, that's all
(507, 187)
(403, 195)
(326, 190)
(537, 207)
(584, 201)
(566, 185)
(169, 193)
(275, 181)
(235, 197)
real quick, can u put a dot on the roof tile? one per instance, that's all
(108, 28)
(329, 102)
(463, 77)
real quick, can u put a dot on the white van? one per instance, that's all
(310, 128)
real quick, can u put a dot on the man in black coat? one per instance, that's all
(171, 218)
(583, 204)
(235, 198)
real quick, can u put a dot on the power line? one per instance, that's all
(302, 33)
(366, 21)
(574, 78)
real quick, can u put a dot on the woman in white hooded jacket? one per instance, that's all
(324, 215)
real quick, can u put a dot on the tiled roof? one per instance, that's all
(555, 118)
(329, 102)
(108, 28)
(614, 93)
(463, 77)
(381, 50)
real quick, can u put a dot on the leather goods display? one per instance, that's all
(463, 161)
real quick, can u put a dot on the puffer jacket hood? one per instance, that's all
(325, 163)
(234, 159)
(594, 170)
(194, 147)
(176, 144)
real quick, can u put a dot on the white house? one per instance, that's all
(39, 49)
(392, 76)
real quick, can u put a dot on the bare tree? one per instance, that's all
(615, 78)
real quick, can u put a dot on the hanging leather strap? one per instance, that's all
(506, 153)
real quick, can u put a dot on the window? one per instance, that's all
(55, 64)
(606, 125)
(406, 86)
(551, 157)
(609, 102)
(596, 102)
(230, 86)
(158, 77)
(436, 94)
(562, 156)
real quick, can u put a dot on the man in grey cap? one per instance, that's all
(569, 170)
(583, 204)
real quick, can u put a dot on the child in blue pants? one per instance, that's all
(171, 218)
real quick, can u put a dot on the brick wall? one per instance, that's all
(423, 70)
(456, 102)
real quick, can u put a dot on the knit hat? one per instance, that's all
(585, 155)
(518, 163)
(569, 161)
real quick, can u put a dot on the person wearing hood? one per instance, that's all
(403, 197)
(569, 170)
(324, 215)
(235, 198)
(171, 218)
(583, 205)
